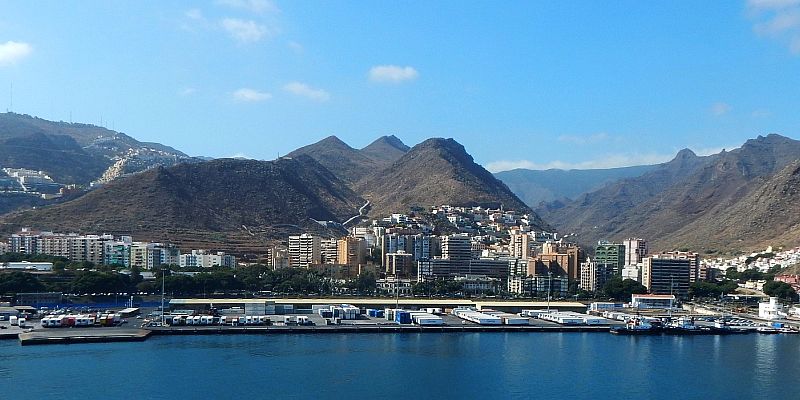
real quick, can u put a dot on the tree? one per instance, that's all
(728, 286)
(704, 289)
(619, 289)
(780, 290)
(19, 282)
(99, 282)
(365, 283)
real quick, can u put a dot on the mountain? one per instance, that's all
(385, 150)
(76, 153)
(352, 165)
(58, 155)
(434, 172)
(535, 186)
(767, 215)
(688, 202)
(223, 204)
(345, 162)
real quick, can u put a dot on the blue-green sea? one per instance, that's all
(409, 366)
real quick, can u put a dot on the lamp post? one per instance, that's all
(549, 283)
(163, 280)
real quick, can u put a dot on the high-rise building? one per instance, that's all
(426, 247)
(666, 275)
(329, 249)
(449, 269)
(139, 254)
(635, 250)
(304, 250)
(697, 271)
(400, 264)
(611, 255)
(25, 242)
(162, 254)
(457, 248)
(117, 252)
(351, 251)
(558, 259)
(520, 246)
(205, 259)
(278, 257)
(595, 275)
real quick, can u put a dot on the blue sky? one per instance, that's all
(522, 84)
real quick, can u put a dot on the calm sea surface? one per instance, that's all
(470, 365)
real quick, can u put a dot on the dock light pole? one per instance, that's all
(163, 280)
(396, 293)
(549, 289)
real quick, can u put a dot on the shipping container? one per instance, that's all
(402, 317)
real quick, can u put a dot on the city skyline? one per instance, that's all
(571, 85)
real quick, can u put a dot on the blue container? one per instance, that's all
(402, 317)
(379, 313)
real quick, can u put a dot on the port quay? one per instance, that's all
(369, 315)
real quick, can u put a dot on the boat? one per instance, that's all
(637, 326)
(722, 328)
(789, 331)
(685, 326)
(767, 330)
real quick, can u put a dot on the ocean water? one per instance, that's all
(426, 365)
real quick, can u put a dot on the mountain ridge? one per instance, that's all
(688, 194)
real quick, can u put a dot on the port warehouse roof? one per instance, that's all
(386, 302)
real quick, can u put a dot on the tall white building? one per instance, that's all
(635, 250)
(520, 246)
(305, 250)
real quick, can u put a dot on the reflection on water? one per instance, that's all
(467, 365)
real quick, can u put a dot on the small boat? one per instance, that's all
(788, 331)
(767, 330)
(637, 326)
(685, 326)
(722, 328)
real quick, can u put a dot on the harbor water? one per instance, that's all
(428, 365)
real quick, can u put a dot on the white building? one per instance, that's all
(305, 250)
(633, 272)
(652, 301)
(204, 259)
(635, 250)
(771, 310)
(29, 266)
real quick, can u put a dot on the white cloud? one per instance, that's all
(782, 22)
(610, 161)
(778, 20)
(245, 31)
(248, 95)
(187, 91)
(720, 109)
(194, 14)
(296, 47)
(255, 6)
(771, 4)
(392, 73)
(582, 140)
(303, 90)
(12, 52)
(241, 156)
(760, 113)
